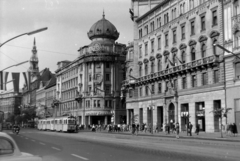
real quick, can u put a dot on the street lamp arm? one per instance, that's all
(133, 77)
(27, 33)
(221, 47)
(12, 39)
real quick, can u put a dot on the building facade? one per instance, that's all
(9, 103)
(90, 86)
(232, 62)
(176, 75)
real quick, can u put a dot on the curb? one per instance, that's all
(170, 136)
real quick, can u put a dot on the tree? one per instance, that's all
(221, 112)
(29, 114)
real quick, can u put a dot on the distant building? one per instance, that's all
(32, 81)
(176, 72)
(90, 86)
(9, 103)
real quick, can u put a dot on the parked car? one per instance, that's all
(9, 150)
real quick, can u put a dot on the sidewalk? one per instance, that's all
(183, 135)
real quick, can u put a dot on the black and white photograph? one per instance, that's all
(119, 80)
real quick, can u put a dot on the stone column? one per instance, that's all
(127, 116)
(106, 120)
(176, 111)
(209, 116)
(192, 113)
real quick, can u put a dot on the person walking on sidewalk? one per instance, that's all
(133, 128)
(137, 129)
(197, 129)
(234, 129)
(190, 128)
(177, 130)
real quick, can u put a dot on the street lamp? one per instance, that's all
(151, 107)
(225, 87)
(14, 65)
(27, 33)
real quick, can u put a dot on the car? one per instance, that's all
(9, 150)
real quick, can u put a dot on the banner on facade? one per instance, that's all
(3, 80)
(15, 77)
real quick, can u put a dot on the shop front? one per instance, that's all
(200, 115)
(98, 117)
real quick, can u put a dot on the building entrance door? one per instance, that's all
(171, 113)
(237, 113)
(160, 118)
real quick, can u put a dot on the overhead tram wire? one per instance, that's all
(12, 59)
(42, 50)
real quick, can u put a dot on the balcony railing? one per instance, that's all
(174, 70)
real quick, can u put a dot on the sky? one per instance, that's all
(68, 22)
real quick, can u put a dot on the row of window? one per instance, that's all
(71, 72)
(183, 32)
(97, 103)
(204, 81)
(175, 60)
(97, 90)
(69, 84)
(73, 105)
(69, 95)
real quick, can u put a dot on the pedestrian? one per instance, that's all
(234, 129)
(156, 129)
(133, 128)
(137, 129)
(177, 130)
(197, 129)
(190, 128)
(168, 128)
(145, 128)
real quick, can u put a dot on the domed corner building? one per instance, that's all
(90, 86)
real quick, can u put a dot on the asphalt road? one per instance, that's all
(55, 146)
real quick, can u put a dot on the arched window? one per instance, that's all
(183, 11)
(237, 39)
(146, 69)
(159, 64)
(237, 70)
(183, 56)
(193, 54)
(174, 58)
(140, 71)
(214, 47)
(203, 50)
(181, 8)
(236, 7)
(152, 67)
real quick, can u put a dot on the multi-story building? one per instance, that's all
(9, 103)
(50, 91)
(94, 78)
(232, 62)
(176, 75)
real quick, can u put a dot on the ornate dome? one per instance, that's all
(103, 29)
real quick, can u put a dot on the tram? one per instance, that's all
(63, 124)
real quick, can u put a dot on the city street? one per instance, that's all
(104, 146)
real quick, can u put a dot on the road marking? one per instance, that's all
(33, 140)
(56, 148)
(79, 157)
(42, 143)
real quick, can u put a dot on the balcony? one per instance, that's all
(171, 72)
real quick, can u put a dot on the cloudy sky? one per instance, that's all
(68, 22)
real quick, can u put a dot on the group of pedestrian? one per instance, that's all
(232, 129)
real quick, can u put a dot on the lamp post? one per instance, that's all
(27, 33)
(151, 107)
(225, 87)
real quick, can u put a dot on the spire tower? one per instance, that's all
(34, 60)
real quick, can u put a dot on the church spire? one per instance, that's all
(34, 59)
(103, 14)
